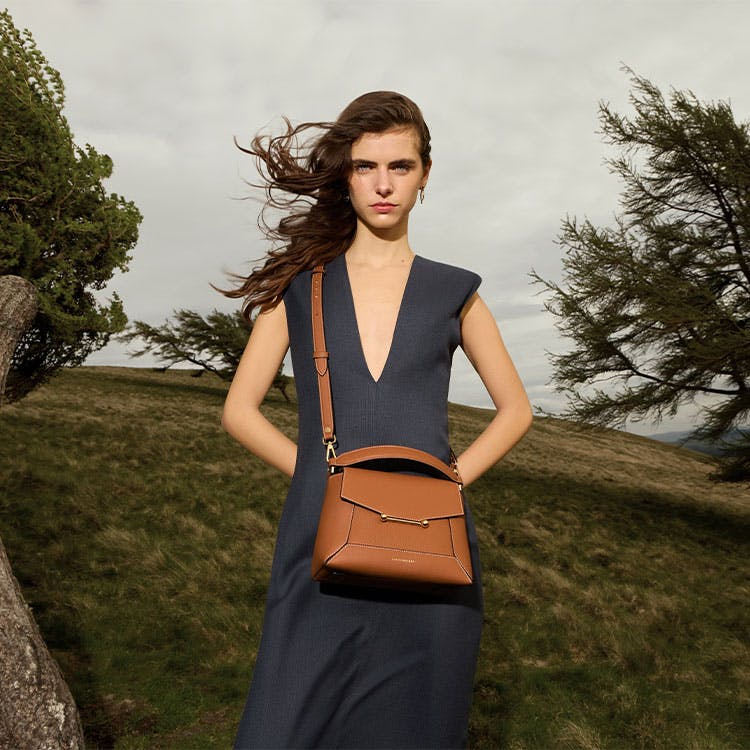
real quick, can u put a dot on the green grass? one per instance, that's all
(616, 575)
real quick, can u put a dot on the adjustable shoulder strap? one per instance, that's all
(320, 357)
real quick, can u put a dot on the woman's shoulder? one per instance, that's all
(447, 269)
(302, 278)
(455, 282)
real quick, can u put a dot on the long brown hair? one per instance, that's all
(309, 180)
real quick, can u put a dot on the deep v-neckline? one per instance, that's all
(396, 326)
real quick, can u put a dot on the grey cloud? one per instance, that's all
(510, 91)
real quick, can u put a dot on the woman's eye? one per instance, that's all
(361, 168)
(401, 168)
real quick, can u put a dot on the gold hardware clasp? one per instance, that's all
(330, 451)
(424, 523)
(454, 466)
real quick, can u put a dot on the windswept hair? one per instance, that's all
(308, 179)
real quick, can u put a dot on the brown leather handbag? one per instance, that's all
(382, 527)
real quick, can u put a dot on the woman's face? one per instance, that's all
(386, 175)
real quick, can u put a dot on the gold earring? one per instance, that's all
(421, 194)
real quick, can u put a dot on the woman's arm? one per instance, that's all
(484, 347)
(241, 418)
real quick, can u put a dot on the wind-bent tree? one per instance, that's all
(659, 304)
(61, 237)
(214, 343)
(59, 228)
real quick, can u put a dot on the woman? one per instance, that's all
(353, 666)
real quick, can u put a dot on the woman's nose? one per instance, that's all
(384, 186)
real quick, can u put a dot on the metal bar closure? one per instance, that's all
(424, 522)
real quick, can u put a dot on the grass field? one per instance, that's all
(616, 575)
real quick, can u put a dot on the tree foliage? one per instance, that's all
(59, 228)
(214, 343)
(659, 303)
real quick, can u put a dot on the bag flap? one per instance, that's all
(402, 495)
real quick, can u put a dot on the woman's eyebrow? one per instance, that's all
(395, 162)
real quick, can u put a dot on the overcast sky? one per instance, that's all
(510, 91)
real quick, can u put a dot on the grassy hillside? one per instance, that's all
(616, 576)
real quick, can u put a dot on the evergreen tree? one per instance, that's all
(214, 343)
(658, 305)
(59, 228)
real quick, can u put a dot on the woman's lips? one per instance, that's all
(383, 208)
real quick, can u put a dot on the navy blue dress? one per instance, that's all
(359, 667)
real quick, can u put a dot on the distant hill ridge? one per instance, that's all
(676, 438)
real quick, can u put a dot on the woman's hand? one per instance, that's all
(484, 347)
(241, 418)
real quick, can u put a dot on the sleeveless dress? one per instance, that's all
(359, 667)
